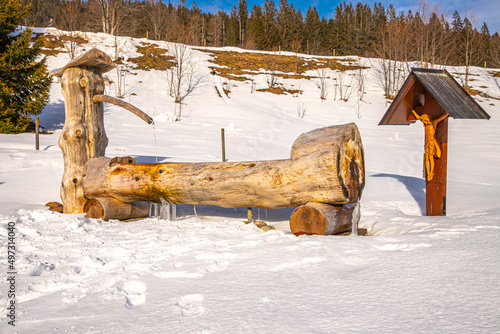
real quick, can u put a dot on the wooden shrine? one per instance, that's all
(432, 97)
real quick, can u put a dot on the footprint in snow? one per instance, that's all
(218, 261)
(191, 305)
(298, 264)
(402, 247)
(135, 292)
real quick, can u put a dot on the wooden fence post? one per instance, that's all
(37, 133)
(223, 141)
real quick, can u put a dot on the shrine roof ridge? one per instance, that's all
(449, 94)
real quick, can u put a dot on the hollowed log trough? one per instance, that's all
(324, 172)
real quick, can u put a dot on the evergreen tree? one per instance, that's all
(242, 20)
(24, 82)
(283, 20)
(485, 43)
(270, 26)
(233, 28)
(257, 33)
(312, 31)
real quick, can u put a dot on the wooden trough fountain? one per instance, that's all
(323, 177)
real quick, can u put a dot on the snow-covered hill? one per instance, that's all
(208, 272)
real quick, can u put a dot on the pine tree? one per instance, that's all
(242, 20)
(312, 31)
(256, 29)
(24, 82)
(271, 29)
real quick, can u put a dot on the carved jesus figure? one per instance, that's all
(431, 145)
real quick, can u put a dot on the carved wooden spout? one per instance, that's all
(133, 109)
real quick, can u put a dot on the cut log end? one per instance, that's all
(93, 209)
(323, 219)
(308, 220)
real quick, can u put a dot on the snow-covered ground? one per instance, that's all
(209, 272)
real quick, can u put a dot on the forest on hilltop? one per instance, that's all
(424, 35)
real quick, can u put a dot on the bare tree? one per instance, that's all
(71, 44)
(121, 74)
(431, 43)
(345, 85)
(393, 52)
(361, 78)
(183, 70)
(271, 78)
(71, 16)
(301, 109)
(323, 84)
(113, 14)
(494, 53)
(471, 46)
(156, 14)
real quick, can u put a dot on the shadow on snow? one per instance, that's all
(415, 186)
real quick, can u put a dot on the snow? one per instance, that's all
(208, 272)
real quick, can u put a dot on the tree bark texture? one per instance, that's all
(326, 166)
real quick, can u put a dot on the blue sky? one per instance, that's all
(484, 10)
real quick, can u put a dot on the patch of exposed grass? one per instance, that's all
(153, 58)
(472, 91)
(280, 90)
(76, 39)
(53, 45)
(496, 74)
(238, 64)
(227, 73)
(475, 92)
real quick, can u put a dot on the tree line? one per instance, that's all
(423, 35)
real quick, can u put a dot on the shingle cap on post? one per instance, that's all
(93, 58)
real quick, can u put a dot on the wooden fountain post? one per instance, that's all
(83, 136)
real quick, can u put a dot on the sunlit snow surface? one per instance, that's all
(210, 272)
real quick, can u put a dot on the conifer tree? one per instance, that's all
(256, 29)
(242, 20)
(24, 82)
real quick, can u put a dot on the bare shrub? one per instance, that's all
(183, 70)
(323, 84)
(271, 78)
(121, 74)
(345, 85)
(301, 109)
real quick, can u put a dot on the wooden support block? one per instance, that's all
(109, 208)
(323, 219)
(55, 206)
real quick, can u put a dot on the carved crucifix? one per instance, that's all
(431, 147)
